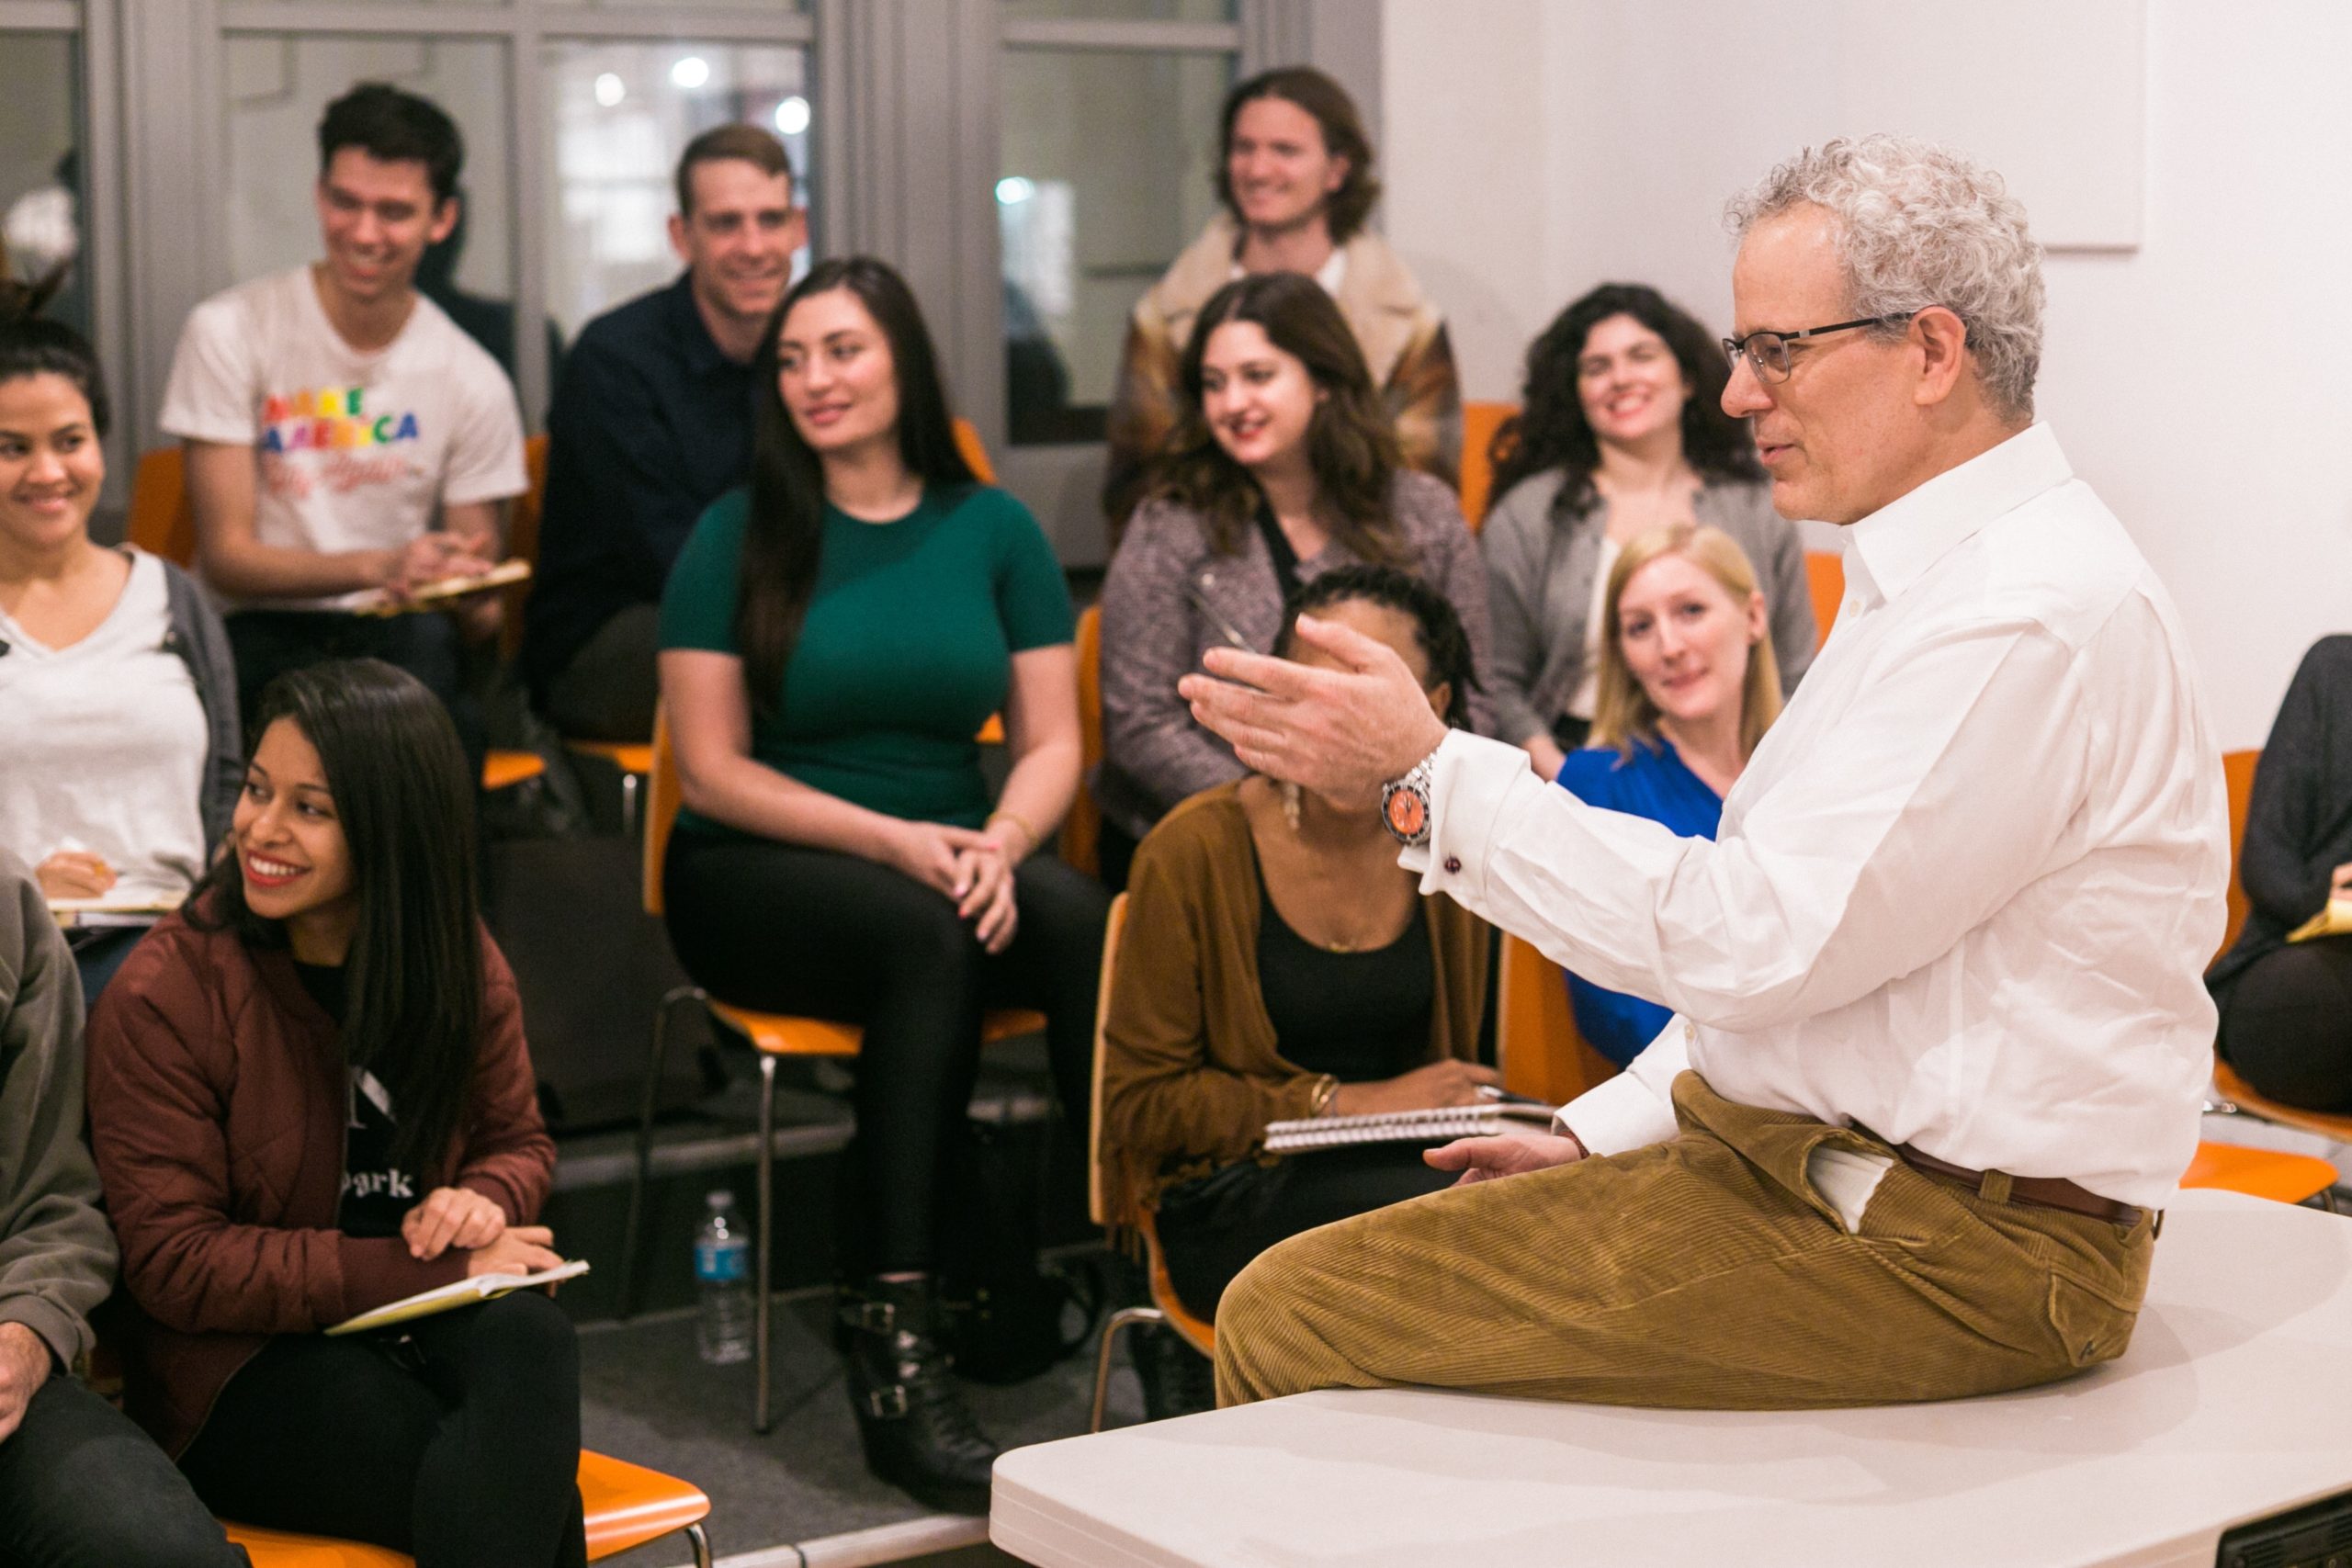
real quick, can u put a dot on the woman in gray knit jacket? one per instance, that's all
(1281, 467)
(1621, 430)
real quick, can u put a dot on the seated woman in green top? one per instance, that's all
(833, 639)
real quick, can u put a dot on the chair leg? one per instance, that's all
(1126, 1317)
(633, 1234)
(701, 1544)
(765, 1247)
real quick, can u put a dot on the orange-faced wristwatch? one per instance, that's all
(1405, 803)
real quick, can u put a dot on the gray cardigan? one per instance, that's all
(57, 1252)
(1542, 555)
(1154, 755)
(202, 645)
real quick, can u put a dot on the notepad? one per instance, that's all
(1442, 1125)
(434, 596)
(461, 1293)
(2334, 920)
(105, 910)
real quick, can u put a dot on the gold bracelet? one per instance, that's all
(1327, 1090)
(1021, 822)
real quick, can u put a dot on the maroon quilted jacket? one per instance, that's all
(217, 1110)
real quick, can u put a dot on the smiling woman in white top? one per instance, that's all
(118, 700)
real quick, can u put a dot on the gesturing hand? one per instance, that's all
(519, 1249)
(1507, 1153)
(24, 1367)
(451, 1216)
(1342, 733)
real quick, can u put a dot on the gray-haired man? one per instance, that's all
(1941, 1038)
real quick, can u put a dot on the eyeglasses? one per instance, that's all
(1767, 353)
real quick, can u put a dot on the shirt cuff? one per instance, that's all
(1619, 1116)
(1472, 779)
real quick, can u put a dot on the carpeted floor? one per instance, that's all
(648, 1398)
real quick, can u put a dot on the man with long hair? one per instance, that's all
(1295, 173)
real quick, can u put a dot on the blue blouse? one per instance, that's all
(1654, 782)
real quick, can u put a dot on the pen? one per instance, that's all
(1216, 619)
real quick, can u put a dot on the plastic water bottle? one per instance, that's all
(723, 1283)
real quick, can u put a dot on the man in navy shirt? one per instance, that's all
(652, 422)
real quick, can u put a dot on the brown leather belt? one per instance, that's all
(2035, 1191)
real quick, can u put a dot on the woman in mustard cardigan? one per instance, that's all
(1278, 963)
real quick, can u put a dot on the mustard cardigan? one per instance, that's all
(1189, 1075)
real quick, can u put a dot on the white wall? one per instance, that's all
(1537, 147)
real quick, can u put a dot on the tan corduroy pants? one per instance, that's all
(1702, 1272)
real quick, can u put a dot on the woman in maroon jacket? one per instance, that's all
(310, 1097)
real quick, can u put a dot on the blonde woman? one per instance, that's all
(1686, 687)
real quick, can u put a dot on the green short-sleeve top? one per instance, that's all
(906, 650)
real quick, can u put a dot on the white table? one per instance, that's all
(2234, 1403)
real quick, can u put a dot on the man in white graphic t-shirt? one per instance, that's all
(345, 440)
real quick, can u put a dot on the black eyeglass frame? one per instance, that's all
(1738, 348)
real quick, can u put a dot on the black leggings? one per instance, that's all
(783, 929)
(460, 1446)
(1210, 1230)
(2287, 1024)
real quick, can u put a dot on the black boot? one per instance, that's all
(1177, 1379)
(918, 1434)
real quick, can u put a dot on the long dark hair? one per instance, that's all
(1550, 432)
(1343, 137)
(32, 346)
(784, 542)
(406, 807)
(1437, 626)
(1350, 444)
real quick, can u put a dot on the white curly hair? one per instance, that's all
(1919, 225)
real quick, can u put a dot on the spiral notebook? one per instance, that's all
(1439, 1126)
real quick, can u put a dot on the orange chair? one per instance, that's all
(1543, 1053)
(967, 442)
(1825, 573)
(1165, 1308)
(626, 1505)
(1082, 828)
(1479, 422)
(773, 1035)
(161, 522)
(2260, 1173)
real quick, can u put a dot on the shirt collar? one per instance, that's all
(1895, 544)
(697, 348)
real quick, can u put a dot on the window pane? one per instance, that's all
(1104, 177)
(41, 168)
(785, 5)
(619, 114)
(1122, 10)
(279, 84)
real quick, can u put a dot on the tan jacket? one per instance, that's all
(1402, 336)
(1190, 1074)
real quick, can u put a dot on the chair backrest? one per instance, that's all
(967, 442)
(2237, 772)
(523, 540)
(1825, 573)
(1542, 1053)
(661, 801)
(1097, 1204)
(1082, 828)
(1479, 422)
(161, 522)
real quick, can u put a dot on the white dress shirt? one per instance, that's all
(1966, 888)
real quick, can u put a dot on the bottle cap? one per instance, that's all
(722, 1198)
